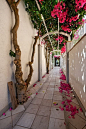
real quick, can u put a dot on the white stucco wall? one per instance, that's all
(77, 69)
(43, 62)
(5, 59)
(25, 41)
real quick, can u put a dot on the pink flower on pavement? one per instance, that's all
(69, 116)
(80, 109)
(4, 114)
(10, 109)
(34, 85)
(63, 102)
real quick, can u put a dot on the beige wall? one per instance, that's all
(77, 70)
(25, 41)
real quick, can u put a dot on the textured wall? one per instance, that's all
(6, 67)
(77, 70)
(25, 41)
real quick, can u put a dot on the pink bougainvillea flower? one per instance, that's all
(63, 49)
(79, 4)
(63, 102)
(69, 101)
(73, 117)
(84, 7)
(60, 11)
(66, 28)
(64, 123)
(41, 1)
(28, 96)
(43, 76)
(63, 77)
(10, 109)
(34, 85)
(69, 116)
(80, 109)
(62, 109)
(4, 114)
(36, 93)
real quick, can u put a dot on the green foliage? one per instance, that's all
(12, 53)
(52, 23)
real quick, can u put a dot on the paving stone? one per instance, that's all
(36, 101)
(75, 101)
(40, 95)
(49, 92)
(57, 97)
(44, 88)
(16, 117)
(42, 91)
(44, 111)
(20, 108)
(48, 96)
(32, 109)
(57, 93)
(70, 126)
(6, 123)
(32, 90)
(78, 122)
(32, 96)
(56, 124)
(8, 113)
(36, 88)
(26, 120)
(58, 102)
(56, 89)
(57, 113)
(52, 89)
(51, 86)
(52, 83)
(18, 127)
(40, 122)
(81, 115)
(46, 102)
(26, 104)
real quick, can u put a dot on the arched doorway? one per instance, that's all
(57, 60)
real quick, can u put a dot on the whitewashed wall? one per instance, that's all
(77, 69)
(25, 41)
(63, 63)
(43, 62)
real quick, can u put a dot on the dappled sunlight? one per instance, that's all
(77, 69)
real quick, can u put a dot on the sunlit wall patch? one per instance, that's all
(84, 88)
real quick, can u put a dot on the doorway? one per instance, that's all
(57, 61)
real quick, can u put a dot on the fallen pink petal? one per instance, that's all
(4, 114)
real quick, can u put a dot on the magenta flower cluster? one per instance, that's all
(60, 38)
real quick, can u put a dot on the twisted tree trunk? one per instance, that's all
(30, 63)
(47, 57)
(20, 83)
(48, 62)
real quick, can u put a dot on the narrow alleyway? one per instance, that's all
(42, 111)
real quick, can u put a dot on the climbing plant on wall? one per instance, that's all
(70, 14)
(20, 83)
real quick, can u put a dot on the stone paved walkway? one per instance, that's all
(39, 112)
